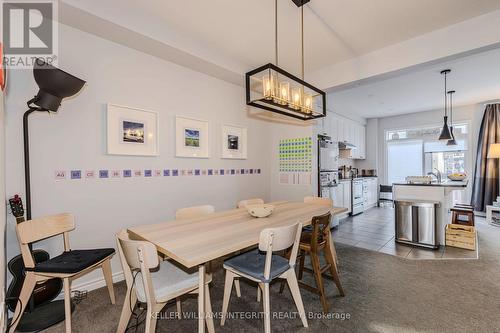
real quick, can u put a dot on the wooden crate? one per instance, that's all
(461, 236)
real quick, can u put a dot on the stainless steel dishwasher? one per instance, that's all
(416, 223)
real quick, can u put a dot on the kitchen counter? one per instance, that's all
(446, 183)
(433, 192)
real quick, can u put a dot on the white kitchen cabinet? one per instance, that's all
(342, 129)
(370, 192)
(343, 195)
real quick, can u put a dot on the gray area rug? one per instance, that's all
(384, 293)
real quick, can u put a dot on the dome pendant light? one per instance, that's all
(445, 132)
(452, 141)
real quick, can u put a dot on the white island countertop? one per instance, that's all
(446, 183)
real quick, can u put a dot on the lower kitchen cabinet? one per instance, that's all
(343, 195)
(370, 192)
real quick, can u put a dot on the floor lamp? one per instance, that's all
(54, 85)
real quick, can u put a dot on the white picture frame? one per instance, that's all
(132, 131)
(234, 142)
(191, 137)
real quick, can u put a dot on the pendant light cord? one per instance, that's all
(445, 97)
(451, 107)
(302, 39)
(276, 32)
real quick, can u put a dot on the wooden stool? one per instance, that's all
(312, 243)
(462, 214)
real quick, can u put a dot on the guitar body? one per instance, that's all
(44, 291)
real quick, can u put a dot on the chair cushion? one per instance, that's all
(252, 263)
(73, 261)
(167, 281)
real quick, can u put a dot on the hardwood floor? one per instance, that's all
(374, 230)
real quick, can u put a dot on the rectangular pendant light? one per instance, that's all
(274, 89)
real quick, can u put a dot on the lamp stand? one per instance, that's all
(35, 319)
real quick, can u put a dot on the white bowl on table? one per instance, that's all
(260, 210)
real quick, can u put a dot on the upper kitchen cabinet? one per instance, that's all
(345, 130)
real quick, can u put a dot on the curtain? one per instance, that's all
(485, 182)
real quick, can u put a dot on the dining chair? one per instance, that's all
(262, 266)
(312, 244)
(320, 201)
(154, 282)
(69, 265)
(255, 201)
(194, 212)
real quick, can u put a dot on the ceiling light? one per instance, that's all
(452, 141)
(445, 132)
(271, 88)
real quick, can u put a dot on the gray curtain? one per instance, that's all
(485, 186)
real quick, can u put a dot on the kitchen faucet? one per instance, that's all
(437, 175)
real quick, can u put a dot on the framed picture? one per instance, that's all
(234, 142)
(191, 138)
(132, 131)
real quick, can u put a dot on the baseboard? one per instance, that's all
(93, 284)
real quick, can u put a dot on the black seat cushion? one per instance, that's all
(73, 261)
(252, 263)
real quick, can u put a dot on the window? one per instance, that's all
(416, 151)
(404, 158)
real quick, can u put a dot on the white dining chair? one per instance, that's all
(266, 267)
(194, 212)
(154, 282)
(255, 201)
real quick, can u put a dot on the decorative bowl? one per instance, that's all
(261, 210)
(457, 176)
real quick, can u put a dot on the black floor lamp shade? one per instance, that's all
(54, 84)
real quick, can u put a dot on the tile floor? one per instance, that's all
(374, 230)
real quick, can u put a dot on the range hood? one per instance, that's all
(344, 145)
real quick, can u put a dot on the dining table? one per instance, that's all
(197, 241)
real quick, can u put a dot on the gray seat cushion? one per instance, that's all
(252, 263)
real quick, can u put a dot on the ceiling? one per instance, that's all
(475, 79)
(335, 30)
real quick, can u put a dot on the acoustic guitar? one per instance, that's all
(44, 291)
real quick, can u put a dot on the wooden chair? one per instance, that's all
(263, 268)
(154, 282)
(69, 265)
(244, 203)
(462, 214)
(312, 244)
(193, 212)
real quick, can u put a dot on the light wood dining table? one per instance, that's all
(194, 242)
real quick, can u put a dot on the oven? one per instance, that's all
(358, 205)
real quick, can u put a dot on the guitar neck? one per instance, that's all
(20, 219)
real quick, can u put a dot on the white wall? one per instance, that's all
(75, 138)
(471, 113)
(2, 212)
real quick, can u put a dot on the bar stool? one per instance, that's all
(462, 214)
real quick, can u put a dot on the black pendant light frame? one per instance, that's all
(445, 132)
(270, 105)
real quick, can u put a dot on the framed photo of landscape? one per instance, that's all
(234, 142)
(132, 131)
(191, 138)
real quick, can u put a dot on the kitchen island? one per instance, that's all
(433, 192)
